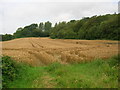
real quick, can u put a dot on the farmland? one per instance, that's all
(60, 63)
(43, 51)
(59, 44)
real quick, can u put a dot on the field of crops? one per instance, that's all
(42, 51)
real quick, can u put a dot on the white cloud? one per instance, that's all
(17, 14)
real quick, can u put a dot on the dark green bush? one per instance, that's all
(10, 70)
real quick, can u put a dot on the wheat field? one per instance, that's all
(42, 51)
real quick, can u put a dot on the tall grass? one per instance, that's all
(96, 74)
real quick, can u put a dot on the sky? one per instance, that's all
(19, 13)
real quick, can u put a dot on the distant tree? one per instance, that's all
(19, 29)
(48, 25)
(37, 33)
(0, 37)
(55, 25)
(72, 20)
(7, 37)
(41, 26)
(96, 27)
(31, 27)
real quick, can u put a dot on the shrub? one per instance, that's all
(10, 70)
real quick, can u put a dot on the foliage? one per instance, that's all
(9, 70)
(47, 25)
(6, 37)
(98, 73)
(90, 28)
(96, 27)
(34, 30)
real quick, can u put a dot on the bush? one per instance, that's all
(10, 70)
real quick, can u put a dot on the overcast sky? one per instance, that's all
(19, 13)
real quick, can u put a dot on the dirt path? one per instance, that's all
(40, 51)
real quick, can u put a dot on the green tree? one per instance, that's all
(48, 25)
(7, 37)
(41, 26)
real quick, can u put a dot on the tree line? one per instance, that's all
(96, 27)
(90, 28)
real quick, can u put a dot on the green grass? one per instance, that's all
(95, 74)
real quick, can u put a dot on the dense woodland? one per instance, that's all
(90, 28)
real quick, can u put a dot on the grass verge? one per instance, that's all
(96, 74)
